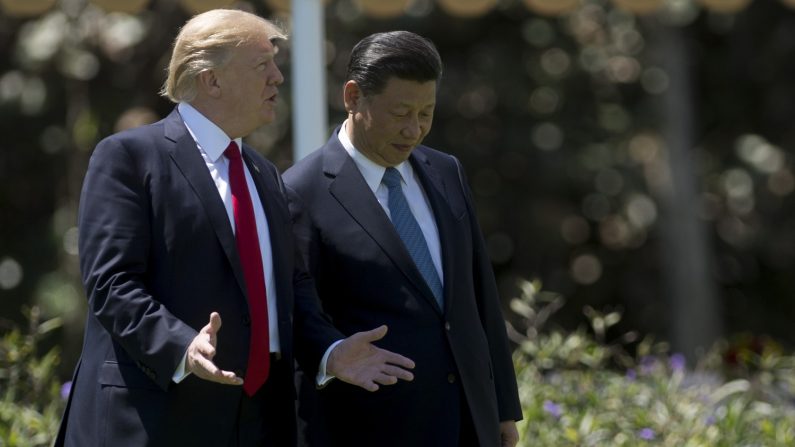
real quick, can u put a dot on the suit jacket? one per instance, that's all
(158, 254)
(365, 277)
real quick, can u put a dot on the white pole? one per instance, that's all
(310, 117)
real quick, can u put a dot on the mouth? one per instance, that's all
(272, 99)
(403, 147)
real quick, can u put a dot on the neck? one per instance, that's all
(219, 117)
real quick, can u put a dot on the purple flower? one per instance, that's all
(677, 362)
(552, 408)
(647, 365)
(66, 388)
(710, 420)
(631, 374)
(646, 433)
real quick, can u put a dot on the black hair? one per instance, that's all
(401, 54)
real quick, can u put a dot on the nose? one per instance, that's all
(275, 77)
(412, 130)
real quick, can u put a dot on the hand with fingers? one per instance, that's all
(358, 362)
(201, 351)
(509, 436)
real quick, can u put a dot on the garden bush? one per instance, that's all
(31, 401)
(578, 389)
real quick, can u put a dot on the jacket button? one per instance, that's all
(447, 325)
(451, 378)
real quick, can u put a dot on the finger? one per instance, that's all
(373, 335)
(215, 322)
(384, 379)
(228, 378)
(400, 373)
(206, 349)
(397, 359)
(212, 373)
(369, 386)
(204, 367)
(213, 325)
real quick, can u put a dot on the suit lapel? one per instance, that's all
(187, 158)
(351, 191)
(436, 191)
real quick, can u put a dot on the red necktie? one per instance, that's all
(251, 260)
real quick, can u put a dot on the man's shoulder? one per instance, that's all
(436, 157)
(306, 170)
(144, 138)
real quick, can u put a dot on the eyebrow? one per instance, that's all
(409, 105)
(264, 57)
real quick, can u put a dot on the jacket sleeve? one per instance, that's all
(114, 243)
(313, 330)
(491, 316)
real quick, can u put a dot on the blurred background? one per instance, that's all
(629, 155)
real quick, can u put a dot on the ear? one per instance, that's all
(352, 96)
(207, 82)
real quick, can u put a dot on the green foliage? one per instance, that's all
(577, 389)
(30, 400)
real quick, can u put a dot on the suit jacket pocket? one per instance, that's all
(125, 375)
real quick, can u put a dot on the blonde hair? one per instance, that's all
(203, 44)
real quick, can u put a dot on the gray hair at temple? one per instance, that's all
(401, 54)
(204, 43)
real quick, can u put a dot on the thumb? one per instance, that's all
(375, 334)
(214, 325)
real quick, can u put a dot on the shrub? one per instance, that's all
(577, 389)
(30, 393)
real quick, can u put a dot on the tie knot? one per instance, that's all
(391, 178)
(232, 152)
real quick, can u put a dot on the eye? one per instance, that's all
(262, 66)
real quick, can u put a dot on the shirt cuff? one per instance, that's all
(180, 373)
(323, 377)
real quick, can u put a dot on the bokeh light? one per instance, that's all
(26, 8)
(586, 269)
(467, 8)
(383, 9)
(10, 273)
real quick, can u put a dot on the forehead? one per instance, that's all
(403, 91)
(257, 47)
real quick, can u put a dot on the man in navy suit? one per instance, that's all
(182, 225)
(387, 228)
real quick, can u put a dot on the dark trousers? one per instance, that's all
(467, 436)
(267, 419)
(314, 415)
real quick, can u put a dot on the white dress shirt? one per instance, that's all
(211, 142)
(373, 173)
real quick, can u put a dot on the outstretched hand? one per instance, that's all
(201, 351)
(358, 362)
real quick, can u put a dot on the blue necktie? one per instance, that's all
(410, 233)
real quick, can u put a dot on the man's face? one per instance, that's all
(387, 126)
(249, 85)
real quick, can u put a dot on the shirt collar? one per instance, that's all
(372, 172)
(207, 135)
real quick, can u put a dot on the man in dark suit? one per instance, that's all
(387, 229)
(181, 223)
